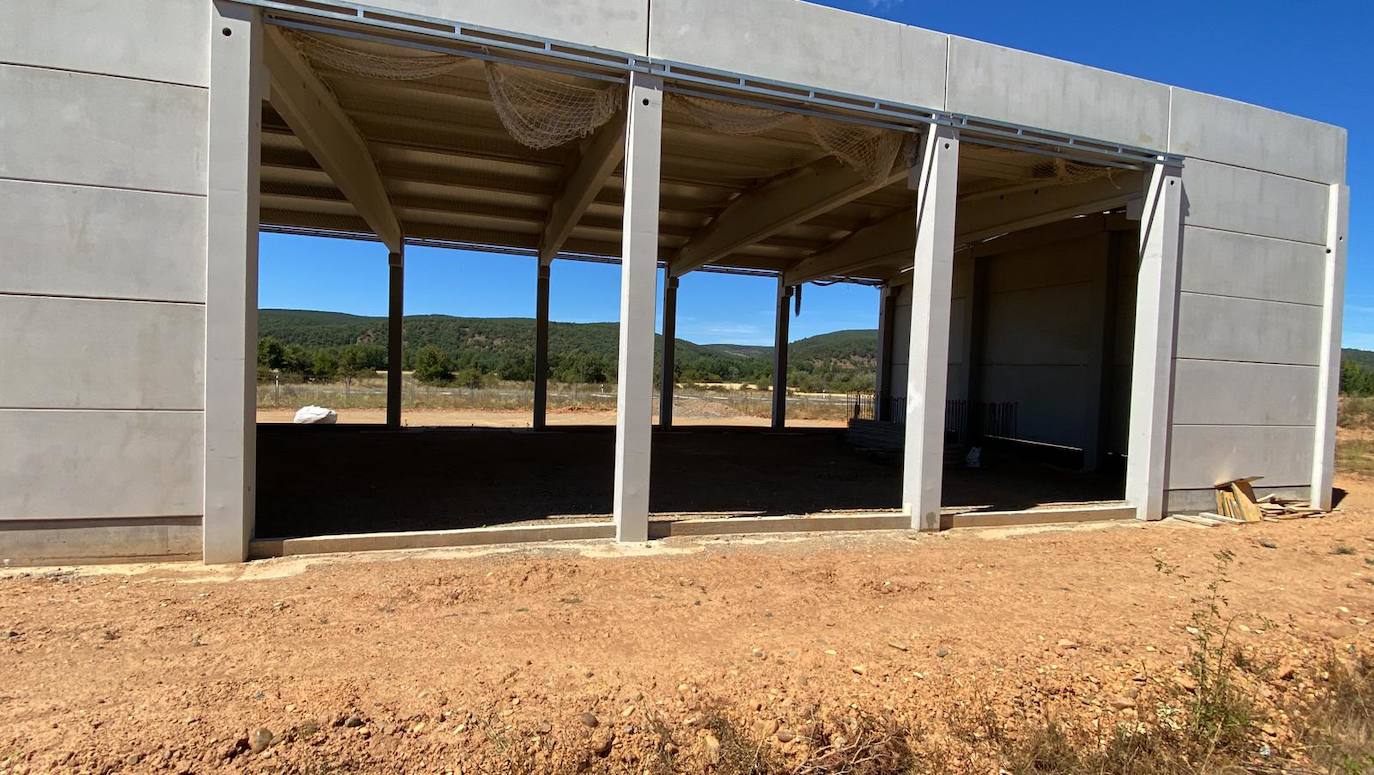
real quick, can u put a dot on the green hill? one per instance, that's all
(578, 352)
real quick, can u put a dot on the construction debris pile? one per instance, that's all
(1237, 505)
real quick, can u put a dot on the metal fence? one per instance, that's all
(964, 420)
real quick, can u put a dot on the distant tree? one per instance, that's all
(433, 366)
(271, 352)
(1356, 380)
(356, 360)
(324, 366)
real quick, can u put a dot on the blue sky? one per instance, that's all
(1310, 59)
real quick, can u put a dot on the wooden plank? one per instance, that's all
(1245, 499)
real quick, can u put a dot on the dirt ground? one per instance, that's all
(626, 658)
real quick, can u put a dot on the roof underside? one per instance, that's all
(454, 174)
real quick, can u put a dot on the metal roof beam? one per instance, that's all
(322, 126)
(891, 239)
(600, 156)
(789, 199)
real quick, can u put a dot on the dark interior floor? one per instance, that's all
(319, 480)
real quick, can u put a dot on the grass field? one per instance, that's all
(701, 403)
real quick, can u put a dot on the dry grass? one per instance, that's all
(1340, 729)
(690, 401)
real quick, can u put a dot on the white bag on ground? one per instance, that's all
(315, 415)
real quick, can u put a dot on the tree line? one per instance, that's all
(306, 346)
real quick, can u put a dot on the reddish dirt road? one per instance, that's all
(596, 656)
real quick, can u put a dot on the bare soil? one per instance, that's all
(626, 658)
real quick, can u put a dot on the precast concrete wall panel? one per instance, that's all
(1220, 196)
(1230, 132)
(1227, 393)
(62, 353)
(1233, 329)
(1232, 264)
(1049, 399)
(86, 241)
(1203, 455)
(618, 25)
(72, 541)
(804, 44)
(102, 131)
(82, 464)
(157, 40)
(1017, 87)
(102, 209)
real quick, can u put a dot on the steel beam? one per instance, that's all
(789, 199)
(395, 316)
(541, 347)
(322, 126)
(600, 156)
(669, 377)
(889, 240)
(783, 316)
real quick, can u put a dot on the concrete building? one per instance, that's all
(1149, 272)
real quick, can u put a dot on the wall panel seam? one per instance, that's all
(1187, 225)
(1300, 426)
(46, 182)
(1250, 298)
(1238, 360)
(127, 409)
(75, 71)
(1275, 173)
(117, 299)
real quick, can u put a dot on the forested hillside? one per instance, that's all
(326, 345)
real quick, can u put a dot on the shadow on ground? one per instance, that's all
(320, 480)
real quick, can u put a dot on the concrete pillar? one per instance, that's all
(1329, 373)
(887, 318)
(638, 281)
(541, 347)
(1152, 359)
(669, 376)
(395, 314)
(1106, 415)
(784, 314)
(237, 79)
(936, 180)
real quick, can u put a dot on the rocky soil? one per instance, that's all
(683, 655)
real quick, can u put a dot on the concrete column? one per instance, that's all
(887, 317)
(936, 180)
(395, 314)
(1152, 359)
(665, 399)
(237, 80)
(784, 314)
(541, 347)
(1329, 374)
(1106, 416)
(638, 281)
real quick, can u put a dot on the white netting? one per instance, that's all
(541, 111)
(870, 151)
(1068, 171)
(371, 65)
(731, 118)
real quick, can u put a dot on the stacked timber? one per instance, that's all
(1237, 505)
